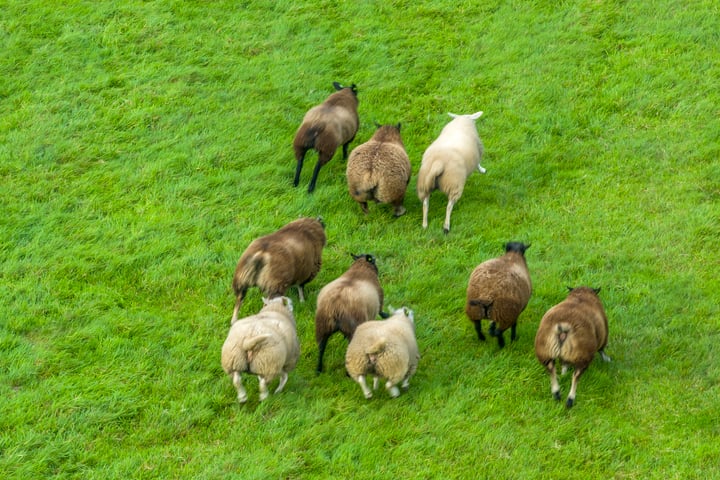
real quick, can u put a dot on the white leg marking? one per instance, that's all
(241, 393)
(605, 357)
(301, 293)
(392, 389)
(481, 169)
(448, 211)
(426, 207)
(366, 391)
(283, 381)
(376, 382)
(263, 388)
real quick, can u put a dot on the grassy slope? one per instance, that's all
(145, 145)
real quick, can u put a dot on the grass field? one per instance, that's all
(145, 144)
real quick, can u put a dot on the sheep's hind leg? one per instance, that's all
(513, 332)
(448, 211)
(283, 381)
(263, 388)
(554, 384)
(481, 169)
(363, 385)
(392, 389)
(241, 393)
(300, 156)
(605, 356)
(478, 329)
(573, 387)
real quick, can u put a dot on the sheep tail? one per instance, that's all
(250, 272)
(310, 134)
(486, 306)
(376, 347)
(251, 344)
(562, 332)
(427, 179)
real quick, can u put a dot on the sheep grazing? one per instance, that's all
(325, 127)
(385, 349)
(572, 331)
(275, 262)
(499, 290)
(351, 299)
(379, 170)
(447, 163)
(265, 344)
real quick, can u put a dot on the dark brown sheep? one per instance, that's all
(275, 262)
(325, 127)
(499, 290)
(351, 299)
(379, 170)
(572, 331)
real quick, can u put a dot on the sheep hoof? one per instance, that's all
(446, 230)
(394, 391)
(556, 395)
(399, 212)
(368, 395)
(570, 402)
(242, 398)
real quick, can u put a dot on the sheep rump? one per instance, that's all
(290, 256)
(351, 299)
(385, 349)
(572, 332)
(447, 163)
(379, 170)
(325, 127)
(499, 290)
(265, 344)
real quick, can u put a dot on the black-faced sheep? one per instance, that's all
(325, 127)
(290, 256)
(385, 349)
(379, 170)
(351, 299)
(265, 344)
(499, 290)
(447, 163)
(572, 332)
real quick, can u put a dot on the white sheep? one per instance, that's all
(265, 344)
(385, 349)
(448, 161)
(572, 331)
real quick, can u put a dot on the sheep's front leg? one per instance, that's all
(300, 157)
(301, 293)
(363, 385)
(426, 207)
(241, 393)
(283, 381)
(448, 211)
(605, 356)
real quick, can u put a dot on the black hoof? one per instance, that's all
(556, 395)
(570, 402)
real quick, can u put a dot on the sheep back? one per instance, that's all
(379, 169)
(386, 348)
(574, 330)
(450, 159)
(264, 344)
(290, 256)
(349, 300)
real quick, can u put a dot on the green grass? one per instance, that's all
(143, 145)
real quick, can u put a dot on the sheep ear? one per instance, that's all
(337, 86)
(570, 289)
(596, 290)
(353, 87)
(377, 125)
(370, 259)
(398, 126)
(355, 257)
(476, 115)
(452, 115)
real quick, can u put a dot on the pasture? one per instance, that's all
(145, 144)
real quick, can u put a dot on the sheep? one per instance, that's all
(572, 331)
(385, 349)
(379, 170)
(447, 163)
(499, 290)
(325, 127)
(351, 299)
(265, 344)
(290, 256)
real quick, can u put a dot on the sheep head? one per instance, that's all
(518, 247)
(284, 301)
(353, 87)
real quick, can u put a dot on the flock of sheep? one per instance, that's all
(266, 344)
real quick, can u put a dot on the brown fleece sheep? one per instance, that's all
(351, 299)
(325, 127)
(275, 262)
(379, 170)
(499, 290)
(572, 331)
